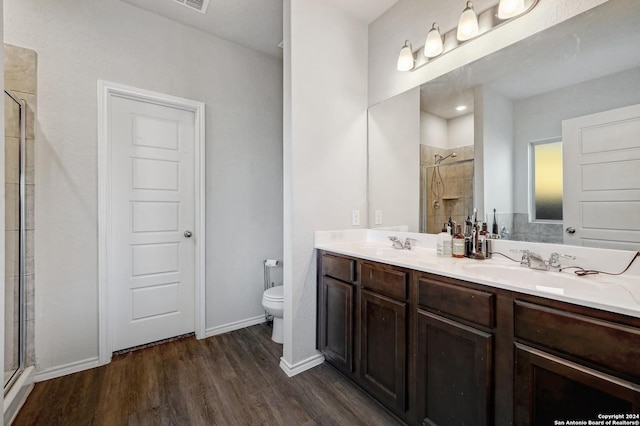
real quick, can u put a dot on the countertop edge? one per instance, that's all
(335, 248)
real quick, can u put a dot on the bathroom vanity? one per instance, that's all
(438, 344)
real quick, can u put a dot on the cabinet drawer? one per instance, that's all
(339, 267)
(387, 281)
(613, 346)
(461, 302)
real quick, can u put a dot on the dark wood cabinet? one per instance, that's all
(444, 352)
(336, 317)
(454, 347)
(573, 363)
(383, 348)
(550, 388)
(454, 372)
(337, 338)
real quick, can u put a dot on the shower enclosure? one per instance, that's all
(15, 196)
(446, 190)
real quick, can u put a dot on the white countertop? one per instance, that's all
(619, 294)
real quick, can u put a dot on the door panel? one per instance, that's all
(550, 388)
(454, 372)
(601, 161)
(152, 193)
(337, 340)
(383, 347)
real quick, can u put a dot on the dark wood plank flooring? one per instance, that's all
(230, 379)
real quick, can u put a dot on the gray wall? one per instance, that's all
(79, 42)
(394, 161)
(540, 117)
(324, 151)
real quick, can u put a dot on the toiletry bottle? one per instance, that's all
(468, 245)
(457, 244)
(474, 234)
(481, 248)
(468, 226)
(468, 236)
(495, 224)
(443, 247)
(451, 226)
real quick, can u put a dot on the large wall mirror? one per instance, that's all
(546, 132)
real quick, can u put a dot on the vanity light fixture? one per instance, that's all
(406, 59)
(510, 8)
(468, 23)
(433, 46)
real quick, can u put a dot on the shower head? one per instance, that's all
(440, 158)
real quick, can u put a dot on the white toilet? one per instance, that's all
(273, 302)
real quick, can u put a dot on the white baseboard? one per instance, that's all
(304, 365)
(63, 370)
(232, 326)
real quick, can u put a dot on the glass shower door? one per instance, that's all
(14, 233)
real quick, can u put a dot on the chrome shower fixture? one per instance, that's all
(440, 158)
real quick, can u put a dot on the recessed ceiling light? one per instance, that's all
(461, 108)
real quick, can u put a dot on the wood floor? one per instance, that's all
(230, 379)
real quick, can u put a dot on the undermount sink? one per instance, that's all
(554, 282)
(389, 252)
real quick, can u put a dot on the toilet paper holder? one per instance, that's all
(268, 265)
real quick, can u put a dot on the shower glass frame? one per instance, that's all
(21, 242)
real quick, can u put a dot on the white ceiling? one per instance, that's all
(256, 24)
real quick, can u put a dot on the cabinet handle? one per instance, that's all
(352, 270)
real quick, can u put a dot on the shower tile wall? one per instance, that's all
(20, 67)
(457, 199)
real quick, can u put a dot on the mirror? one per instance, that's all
(515, 98)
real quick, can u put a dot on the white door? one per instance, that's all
(152, 213)
(601, 161)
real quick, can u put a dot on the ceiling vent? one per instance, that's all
(198, 5)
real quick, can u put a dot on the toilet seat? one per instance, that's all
(274, 294)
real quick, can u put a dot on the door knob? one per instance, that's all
(188, 234)
(571, 230)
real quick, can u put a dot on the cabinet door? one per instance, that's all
(549, 388)
(336, 340)
(383, 348)
(454, 373)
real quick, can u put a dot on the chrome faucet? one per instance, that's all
(554, 260)
(397, 244)
(537, 262)
(532, 260)
(408, 243)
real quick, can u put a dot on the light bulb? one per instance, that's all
(405, 58)
(510, 8)
(433, 45)
(468, 23)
